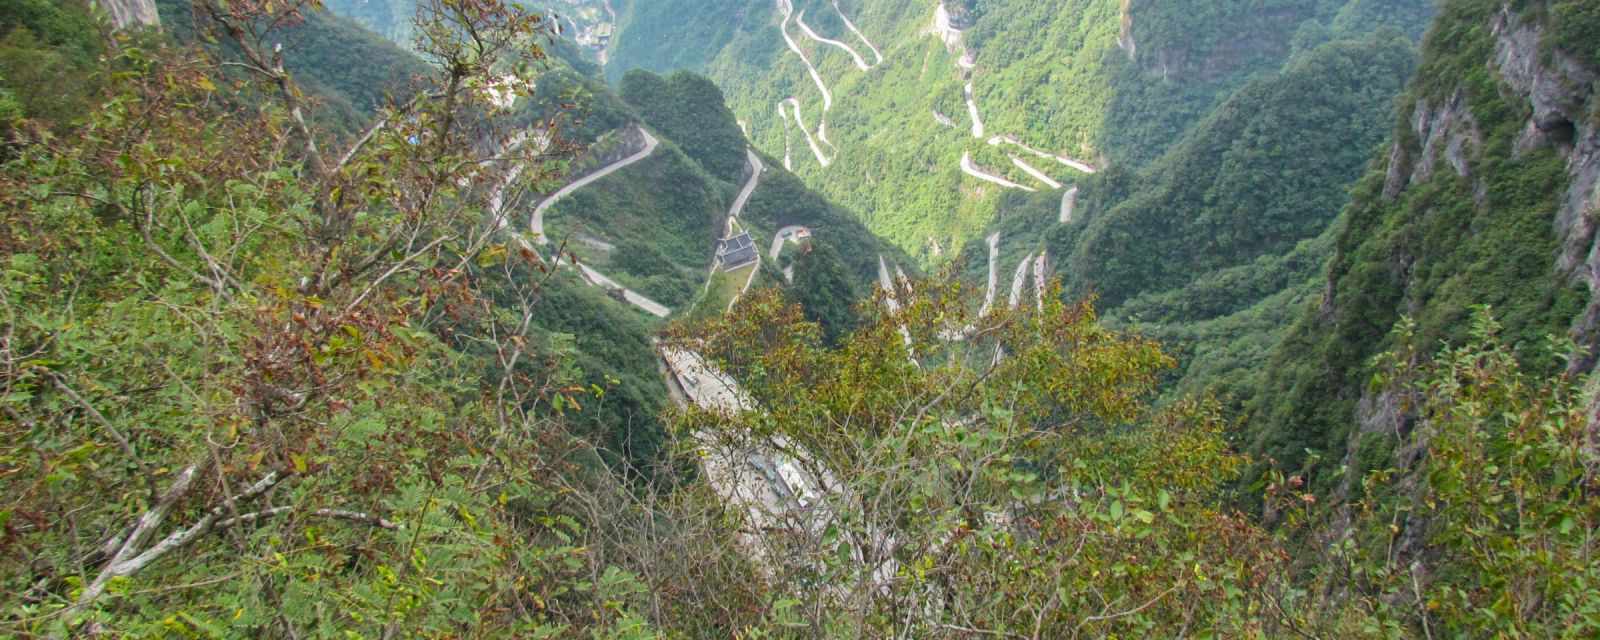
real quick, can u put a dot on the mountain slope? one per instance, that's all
(1206, 246)
(973, 99)
(1485, 197)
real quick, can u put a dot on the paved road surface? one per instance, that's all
(595, 278)
(852, 27)
(972, 111)
(781, 238)
(1018, 280)
(994, 273)
(756, 167)
(634, 298)
(1071, 162)
(1037, 174)
(1039, 265)
(800, 19)
(1069, 201)
(971, 169)
(794, 105)
(536, 221)
(788, 12)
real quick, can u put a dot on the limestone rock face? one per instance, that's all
(1561, 95)
(132, 13)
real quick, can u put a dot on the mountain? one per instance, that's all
(1480, 199)
(1248, 320)
(1055, 90)
(1188, 182)
(1208, 247)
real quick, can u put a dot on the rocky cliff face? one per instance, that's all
(1562, 95)
(1554, 98)
(1487, 195)
(132, 13)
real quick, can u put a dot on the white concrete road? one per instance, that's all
(971, 169)
(536, 221)
(633, 297)
(861, 63)
(756, 167)
(1037, 174)
(595, 278)
(994, 273)
(972, 112)
(1069, 201)
(852, 27)
(1018, 280)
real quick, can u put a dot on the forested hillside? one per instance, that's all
(1479, 200)
(1211, 246)
(885, 125)
(308, 334)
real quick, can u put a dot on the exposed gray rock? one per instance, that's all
(1561, 93)
(1448, 131)
(132, 13)
(1397, 176)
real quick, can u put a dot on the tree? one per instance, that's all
(1012, 483)
(234, 392)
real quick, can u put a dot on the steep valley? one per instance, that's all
(800, 318)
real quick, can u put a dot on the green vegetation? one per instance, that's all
(240, 375)
(324, 48)
(1433, 251)
(265, 375)
(667, 36)
(1267, 169)
(1575, 30)
(689, 109)
(824, 291)
(48, 56)
(1214, 246)
(1049, 73)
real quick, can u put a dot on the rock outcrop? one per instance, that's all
(1562, 94)
(132, 13)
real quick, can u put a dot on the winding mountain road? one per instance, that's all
(811, 141)
(788, 163)
(1018, 280)
(887, 285)
(633, 297)
(972, 111)
(781, 238)
(536, 221)
(541, 139)
(972, 170)
(1065, 160)
(779, 241)
(861, 63)
(1040, 264)
(1069, 201)
(994, 274)
(756, 167)
(1037, 174)
(788, 14)
(595, 278)
(852, 27)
